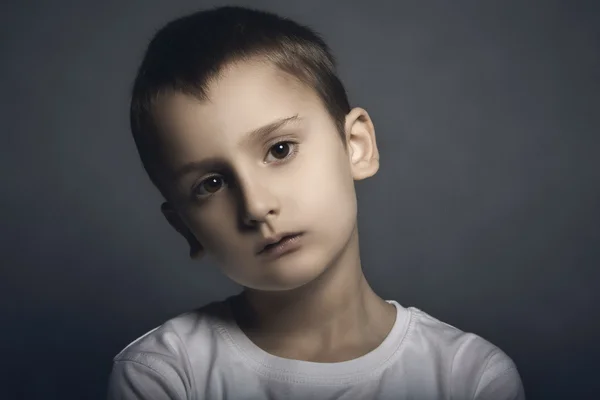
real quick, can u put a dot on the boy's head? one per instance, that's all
(243, 125)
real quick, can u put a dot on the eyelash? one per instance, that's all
(292, 154)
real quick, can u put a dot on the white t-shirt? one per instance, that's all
(205, 355)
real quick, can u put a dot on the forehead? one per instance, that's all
(243, 98)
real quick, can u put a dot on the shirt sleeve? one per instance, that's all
(500, 380)
(143, 377)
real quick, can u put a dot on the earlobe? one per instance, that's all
(196, 249)
(363, 152)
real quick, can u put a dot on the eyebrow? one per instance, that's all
(260, 134)
(256, 135)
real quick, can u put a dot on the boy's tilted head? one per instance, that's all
(243, 125)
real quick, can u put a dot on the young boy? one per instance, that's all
(244, 127)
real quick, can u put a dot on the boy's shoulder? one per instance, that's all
(467, 357)
(462, 346)
(445, 336)
(173, 339)
(166, 361)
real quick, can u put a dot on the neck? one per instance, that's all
(337, 308)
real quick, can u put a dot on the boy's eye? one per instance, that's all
(210, 185)
(282, 150)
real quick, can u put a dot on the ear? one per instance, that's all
(196, 249)
(360, 138)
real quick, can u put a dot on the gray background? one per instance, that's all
(484, 213)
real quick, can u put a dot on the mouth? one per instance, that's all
(281, 244)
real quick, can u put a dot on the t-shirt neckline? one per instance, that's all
(314, 372)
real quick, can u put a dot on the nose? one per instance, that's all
(258, 200)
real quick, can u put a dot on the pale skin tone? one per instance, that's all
(313, 304)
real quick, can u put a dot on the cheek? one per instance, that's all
(326, 189)
(210, 227)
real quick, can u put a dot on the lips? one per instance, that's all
(270, 246)
(274, 241)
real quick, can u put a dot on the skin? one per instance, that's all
(312, 304)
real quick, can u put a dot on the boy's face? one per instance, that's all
(250, 185)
